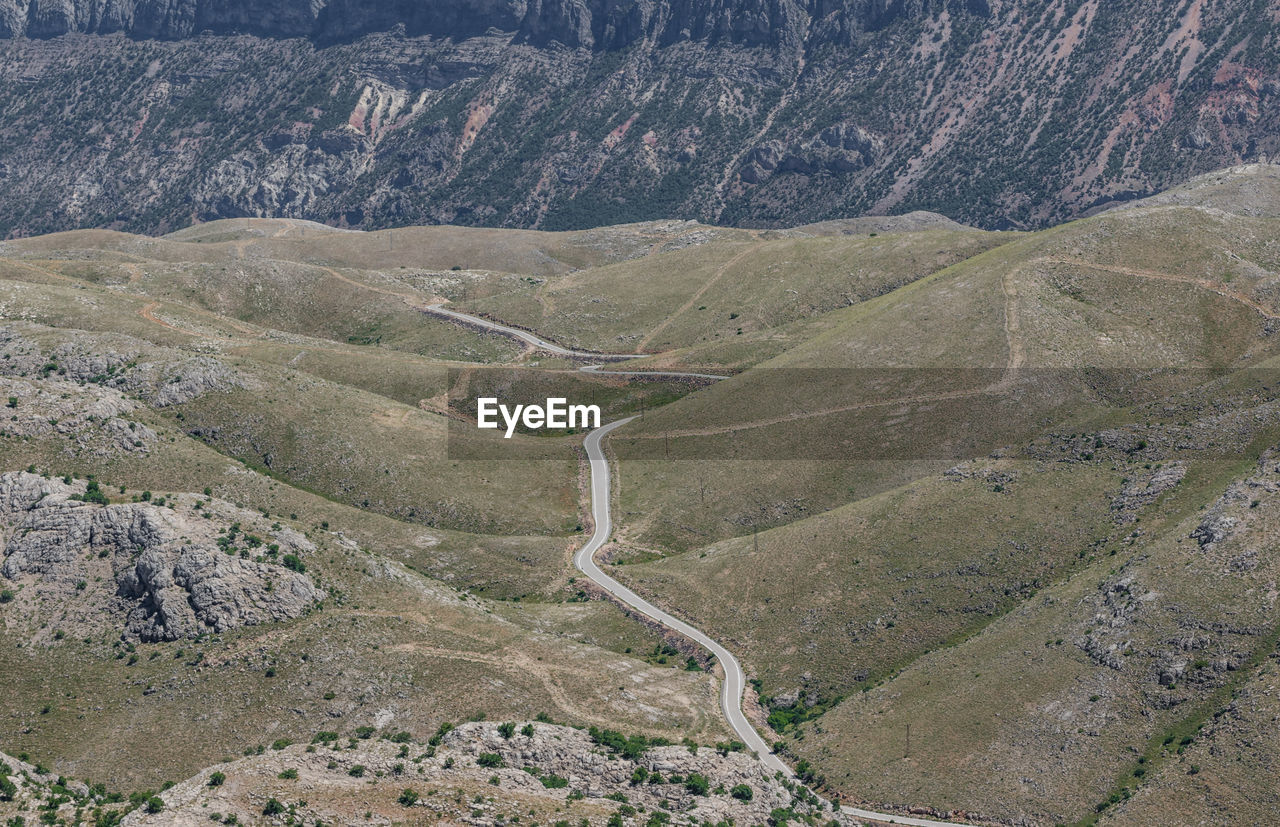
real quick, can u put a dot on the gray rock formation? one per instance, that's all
(172, 578)
(653, 782)
(574, 23)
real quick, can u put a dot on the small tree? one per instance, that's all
(742, 792)
(697, 784)
(408, 798)
(154, 805)
(272, 808)
(507, 730)
(489, 759)
(217, 779)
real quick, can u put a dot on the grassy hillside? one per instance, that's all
(1013, 492)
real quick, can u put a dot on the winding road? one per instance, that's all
(734, 680)
(731, 691)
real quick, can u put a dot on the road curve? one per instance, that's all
(731, 691)
(526, 336)
(734, 680)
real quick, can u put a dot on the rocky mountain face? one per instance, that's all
(148, 115)
(173, 577)
(600, 24)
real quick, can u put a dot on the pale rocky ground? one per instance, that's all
(453, 787)
(159, 573)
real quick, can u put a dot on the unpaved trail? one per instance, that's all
(698, 294)
(414, 300)
(1155, 275)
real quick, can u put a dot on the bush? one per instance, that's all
(491, 760)
(507, 730)
(408, 798)
(288, 775)
(294, 563)
(628, 747)
(8, 790)
(364, 733)
(357, 771)
(280, 743)
(154, 805)
(217, 779)
(697, 784)
(444, 730)
(554, 782)
(742, 792)
(272, 808)
(6, 595)
(527, 730)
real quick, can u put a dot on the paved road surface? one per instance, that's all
(731, 696)
(734, 679)
(526, 336)
(560, 350)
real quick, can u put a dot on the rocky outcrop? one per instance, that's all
(172, 577)
(159, 378)
(1143, 490)
(533, 772)
(837, 149)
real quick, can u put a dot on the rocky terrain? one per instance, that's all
(550, 114)
(244, 552)
(487, 774)
(171, 575)
(475, 773)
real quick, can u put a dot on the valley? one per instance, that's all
(943, 524)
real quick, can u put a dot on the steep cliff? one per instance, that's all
(565, 113)
(608, 24)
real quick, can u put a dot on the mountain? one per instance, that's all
(148, 116)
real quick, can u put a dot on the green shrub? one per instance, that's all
(217, 779)
(742, 792)
(507, 730)
(408, 798)
(697, 784)
(554, 782)
(154, 805)
(272, 808)
(489, 759)
(357, 771)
